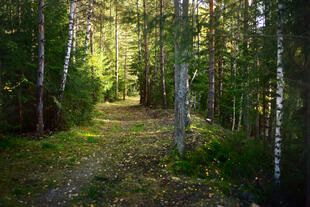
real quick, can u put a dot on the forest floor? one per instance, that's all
(117, 159)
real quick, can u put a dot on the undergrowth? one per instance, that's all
(238, 165)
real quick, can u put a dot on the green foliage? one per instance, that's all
(234, 160)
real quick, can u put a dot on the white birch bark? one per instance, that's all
(67, 58)
(75, 23)
(68, 53)
(279, 99)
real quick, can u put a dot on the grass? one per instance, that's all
(131, 145)
(30, 167)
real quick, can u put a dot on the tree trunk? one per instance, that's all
(211, 67)
(279, 99)
(240, 113)
(88, 27)
(140, 75)
(32, 5)
(198, 31)
(162, 58)
(147, 97)
(116, 48)
(156, 60)
(92, 65)
(246, 81)
(125, 76)
(67, 59)
(75, 24)
(234, 96)
(181, 52)
(40, 74)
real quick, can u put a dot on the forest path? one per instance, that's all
(128, 170)
(117, 159)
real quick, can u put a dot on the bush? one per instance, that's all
(235, 159)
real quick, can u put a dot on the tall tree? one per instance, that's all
(125, 76)
(67, 58)
(162, 53)
(40, 75)
(88, 26)
(211, 90)
(279, 99)
(147, 96)
(181, 44)
(142, 87)
(116, 48)
(155, 59)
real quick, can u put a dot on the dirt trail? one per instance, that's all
(128, 169)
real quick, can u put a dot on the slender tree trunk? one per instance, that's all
(67, 59)
(220, 87)
(156, 60)
(211, 67)
(162, 58)
(142, 87)
(100, 33)
(92, 65)
(234, 96)
(75, 24)
(240, 113)
(264, 123)
(88, 27)
(147, 98)
(198, 31)
(116, 48)
(279, 99)
(20, 108)
(32, 4)
(125, 77)
(19, 90)
(139, 32)
(246, 81)
(40, 75)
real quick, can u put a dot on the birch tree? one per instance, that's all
(279, 99)
(40, 74)
(67, 58)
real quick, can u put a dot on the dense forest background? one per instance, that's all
(230, 51)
